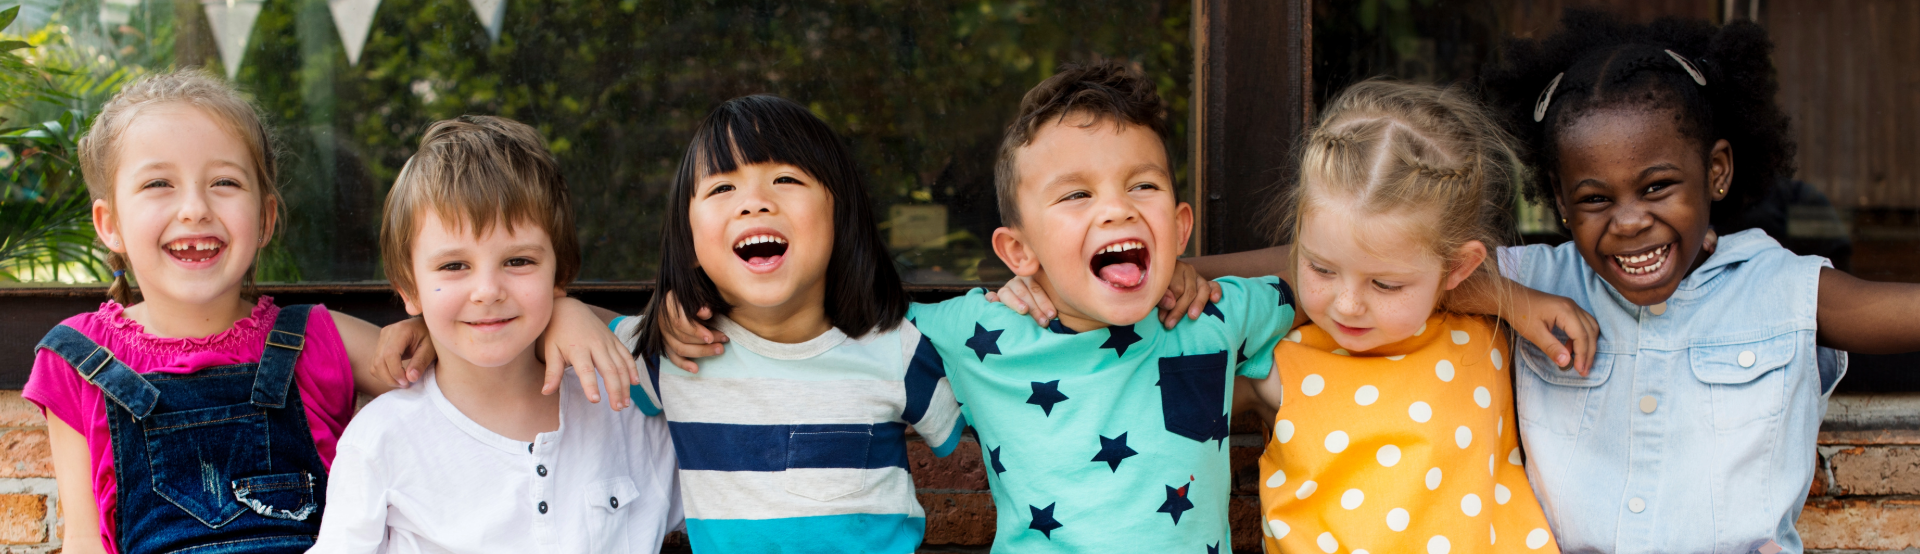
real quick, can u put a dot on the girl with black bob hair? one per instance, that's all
(864, 291)
(800, 423)
(1695, 429)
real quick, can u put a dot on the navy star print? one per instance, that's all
(1286, 296)
(984, 342)
(1113, 450)
(1214, 311)
(1213, 548)
(1119, 338)
(994, 456)
(1240, 354)
(1045, 395)
(1176, 503)
(1043, 520)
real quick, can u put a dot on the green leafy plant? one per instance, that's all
(46, 227)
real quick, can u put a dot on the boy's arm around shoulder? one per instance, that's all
(1259, 313)
(1867, 317)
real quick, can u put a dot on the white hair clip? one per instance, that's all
(1546, 96)
(1695, 73)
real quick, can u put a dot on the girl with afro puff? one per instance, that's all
(1694, 429)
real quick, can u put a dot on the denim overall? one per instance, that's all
(215, 461)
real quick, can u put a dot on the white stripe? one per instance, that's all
(779, 401)
(764, 494)
(942, 413)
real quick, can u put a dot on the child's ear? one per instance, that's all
(1184, 215)
(270, 221)
(1467, 259)
(413, 307)
(1719, 170)
(105, 227)
(1011, 246)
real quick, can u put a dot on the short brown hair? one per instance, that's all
(1104, 91)
(480, 170)
(100, 151)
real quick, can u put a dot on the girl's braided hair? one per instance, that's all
(1604, 63)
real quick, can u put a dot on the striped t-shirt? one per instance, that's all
(801, 447)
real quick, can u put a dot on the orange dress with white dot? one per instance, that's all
(1408, 448)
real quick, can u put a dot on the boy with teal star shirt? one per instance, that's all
(1101, 433)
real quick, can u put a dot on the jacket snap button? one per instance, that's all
(1658, 309)
(1648, 404)
(1746, 359)
(1637, 505)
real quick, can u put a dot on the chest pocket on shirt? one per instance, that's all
(608, 501)
(1747, 382)
(826, 462)
(1558, 400)
(1193, 393)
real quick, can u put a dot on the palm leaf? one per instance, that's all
(50, 239)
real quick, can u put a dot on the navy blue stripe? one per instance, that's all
(923, 375)
(730, 447)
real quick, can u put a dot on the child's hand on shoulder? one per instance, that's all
(687, 338)
(1189, 293)
(1535, 315)
(579, 337)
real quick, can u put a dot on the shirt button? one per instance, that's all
(1637, 505)
(542, 469)
(543, 505)
(529, 448)
(1658, 309)
(1746, 358)
(1647, 404)
(614, 501)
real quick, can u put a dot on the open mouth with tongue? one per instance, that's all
(1121, 265)
(197, 250)
(762, 251)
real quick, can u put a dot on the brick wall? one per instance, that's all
(1865, 498)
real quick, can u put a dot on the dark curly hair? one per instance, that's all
(1610, 64)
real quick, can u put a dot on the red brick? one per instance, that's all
(23, 519)
(1860, 524)
(1819, 487)
(961, 470)
(1877, 470)
(18, 412)
(1246, 469)
(1243, 513)
(25, 453)
(961, 519)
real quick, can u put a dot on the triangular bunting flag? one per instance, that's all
(492, 13)
(353, 18)
(232, 22)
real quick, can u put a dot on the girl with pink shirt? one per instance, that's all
(218, 409)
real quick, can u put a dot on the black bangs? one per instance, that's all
(864, 291)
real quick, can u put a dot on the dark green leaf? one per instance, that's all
(7, 15)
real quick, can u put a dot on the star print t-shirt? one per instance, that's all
(1411, 447)
(1112, 440)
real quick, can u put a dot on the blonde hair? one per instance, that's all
(1391, 147)
(100, 152)
(479, 170)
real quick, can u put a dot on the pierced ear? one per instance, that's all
(1467, 259)
(1013, 250)
(1720, 170)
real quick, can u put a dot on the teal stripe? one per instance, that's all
(878, 533)
(953, 438)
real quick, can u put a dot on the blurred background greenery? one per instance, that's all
(921, 88)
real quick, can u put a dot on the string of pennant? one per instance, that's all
(232, 22)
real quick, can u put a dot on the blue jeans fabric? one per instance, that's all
(215, 461)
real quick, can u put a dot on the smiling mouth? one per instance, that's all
(1645, 263)
(1122, 265)
(491, 323)
(195, 250)
(761, 249)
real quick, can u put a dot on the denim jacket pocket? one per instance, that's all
(1553, 399)
(281, 496)
(826, 462)
(195, 455)
(1746, 382)
(607, 501)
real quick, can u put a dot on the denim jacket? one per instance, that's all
(1695, 431)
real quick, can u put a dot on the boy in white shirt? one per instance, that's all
(478, 239)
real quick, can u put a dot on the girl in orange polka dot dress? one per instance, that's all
(1395, 425)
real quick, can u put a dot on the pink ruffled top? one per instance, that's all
(323, 375)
